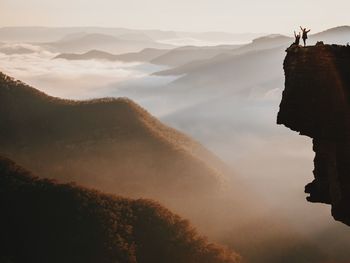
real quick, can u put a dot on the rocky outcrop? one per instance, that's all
(316, 103)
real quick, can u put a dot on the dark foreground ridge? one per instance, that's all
(316, 103)
(42, 221)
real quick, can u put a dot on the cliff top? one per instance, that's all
(317, 86)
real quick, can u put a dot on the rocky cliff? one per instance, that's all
(316, 103)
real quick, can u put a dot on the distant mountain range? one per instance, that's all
(103, 42)
(193, 55)
(52, 34)
(42, 221)
(173, 57)
(10, 50)
(251, 70)
(247, 68)
(146, 55)
(337, 35)
(183, 55)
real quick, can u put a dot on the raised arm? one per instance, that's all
(301, 28)
(295, 34)
(308, 31)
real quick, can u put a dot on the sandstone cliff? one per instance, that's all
(316, 103)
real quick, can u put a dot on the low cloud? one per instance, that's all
(78, 79)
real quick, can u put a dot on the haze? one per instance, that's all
(195, 15)
(221, 89)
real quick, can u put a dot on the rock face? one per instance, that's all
(316, 103)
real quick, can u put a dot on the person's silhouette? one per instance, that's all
(304, 36)
(297, 38)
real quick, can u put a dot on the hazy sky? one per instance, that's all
(192, 15)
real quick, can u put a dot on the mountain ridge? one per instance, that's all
(144, 55)
(89, 226)
(118, 130)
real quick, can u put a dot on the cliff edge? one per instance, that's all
(316, 103)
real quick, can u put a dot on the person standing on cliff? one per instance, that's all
(297, 38)
(304, 36)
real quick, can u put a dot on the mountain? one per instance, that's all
(111, 144)
(254, 74)
(183, 55)
(266, 42)
(221, 36)
(144, 55)
(43, 221)
(257, 46)
(104, 42)
(244, 72)
(51, 34)
(337, 35)
(173, 57)
(32, 34)
(10, 50)
(92, 54)
(136, 36)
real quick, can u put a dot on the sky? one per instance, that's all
(254, 16)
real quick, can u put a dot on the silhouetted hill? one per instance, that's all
(50, 34)
(90, 38)
(196, 58)
(184, 55)
(10, 50)
(85, 42)
(257, 46)
(144, 55)
(42, 221)
(92, 54)
(136, 36)
(221, 36)
(254, 74)
(111, 144)
(265, 42)
(337, 35)
(173, 57)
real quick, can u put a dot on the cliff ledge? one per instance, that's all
(316, 103)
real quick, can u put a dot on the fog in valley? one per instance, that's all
(221, 89)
